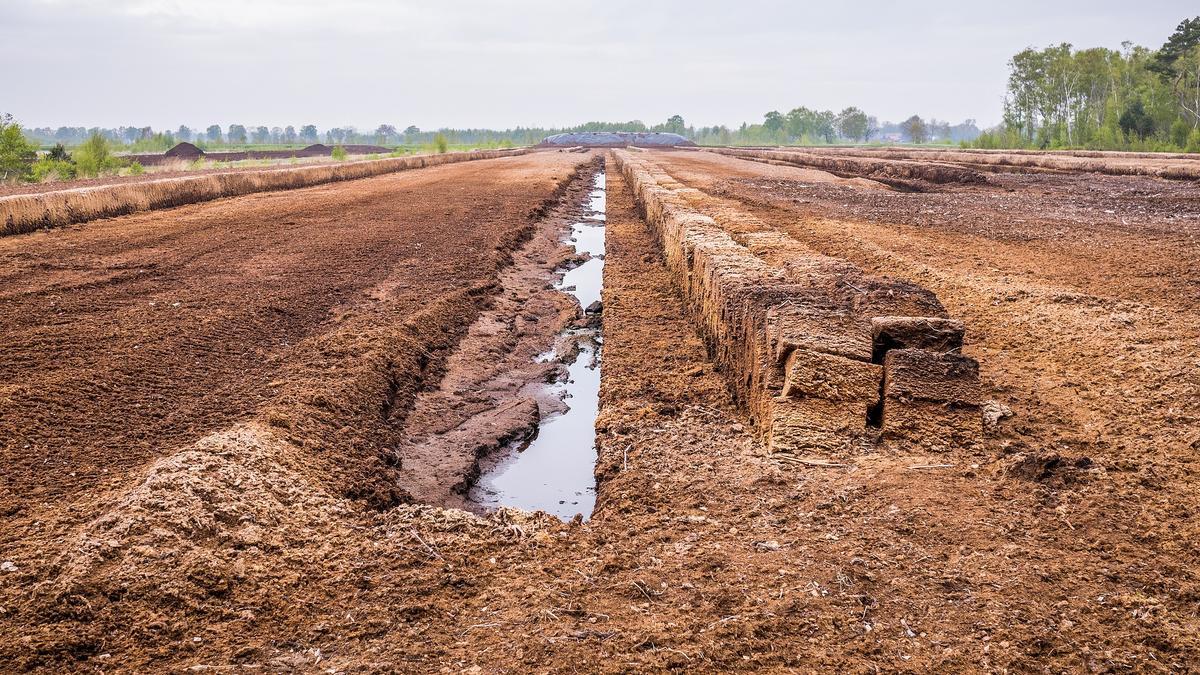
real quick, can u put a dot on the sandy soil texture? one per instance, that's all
(208, 412)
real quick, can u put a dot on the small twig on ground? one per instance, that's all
(808, 462)
(932, 466)
(427, 546)
(625, 458)
(721, 621)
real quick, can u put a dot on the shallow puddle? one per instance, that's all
(554, 471)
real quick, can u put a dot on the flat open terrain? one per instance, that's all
(220, 424)
(127, 339)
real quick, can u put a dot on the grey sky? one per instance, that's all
(529, 62)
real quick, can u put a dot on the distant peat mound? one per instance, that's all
(184, 151)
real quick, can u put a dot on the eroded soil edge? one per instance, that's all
(493, 393)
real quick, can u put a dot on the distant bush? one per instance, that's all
(1193, 141)
(160, 142)
(1179, 132)
(46, 169)
(440, 143)
(59, 153)
(339, 153)
(17, 155)
(94, 157)
(136, 169)
(995, 139)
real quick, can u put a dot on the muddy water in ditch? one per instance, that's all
(554, 470)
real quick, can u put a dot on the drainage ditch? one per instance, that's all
(553, 468)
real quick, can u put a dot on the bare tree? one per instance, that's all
(914, 128)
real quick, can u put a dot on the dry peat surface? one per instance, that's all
(831, 414)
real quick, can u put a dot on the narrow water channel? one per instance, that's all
(554, 471)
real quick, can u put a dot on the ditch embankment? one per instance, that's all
(27, 212)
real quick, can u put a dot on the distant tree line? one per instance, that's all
(803, 126)
(800, 126)
(1104, 99)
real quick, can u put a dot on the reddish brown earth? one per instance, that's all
(127, 338)
(251, 439)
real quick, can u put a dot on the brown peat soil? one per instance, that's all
(222, 427)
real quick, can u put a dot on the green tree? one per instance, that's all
(825, 125)
(1135, 121)
(1178, 63)
(773, 121)
(16, 154)
(1063, 97)
(308, 133)
(237, 134)
(385, 133)
(853, 124)
(440, 142)
(213, 133)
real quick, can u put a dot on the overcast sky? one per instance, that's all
(530, 62)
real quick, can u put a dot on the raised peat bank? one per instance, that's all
(966, 166)
(830, 362)
(553, 471)
(28, 212)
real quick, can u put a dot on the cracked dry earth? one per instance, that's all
(213, 485)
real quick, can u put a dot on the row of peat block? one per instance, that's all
(829, 361)
(890, 171)
(29, 212)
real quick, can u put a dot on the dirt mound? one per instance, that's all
(184, 150)
(616, 139)
(314, 149)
